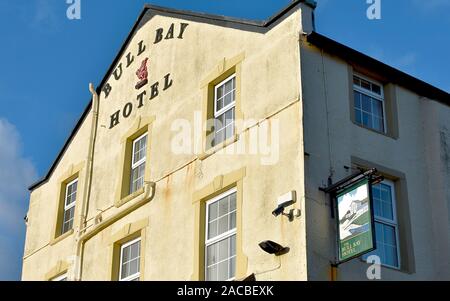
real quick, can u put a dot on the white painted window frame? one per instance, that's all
(222, 236)
(138, 163)
(71, 205)
(135, 165)
(230, 105)
(369, 93)
(393, 223)
(122, 247)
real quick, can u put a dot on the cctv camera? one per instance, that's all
(279, 210)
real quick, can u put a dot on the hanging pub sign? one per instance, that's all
(353, 209)
(356, 235)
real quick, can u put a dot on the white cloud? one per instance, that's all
(16, 173)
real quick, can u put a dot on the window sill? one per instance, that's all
(218, 147)
(129, 197)
(400, 270)
(375, 131)
(61, 237)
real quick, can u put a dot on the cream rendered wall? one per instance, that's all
(267, 92)
(39, 256)
(331, 139)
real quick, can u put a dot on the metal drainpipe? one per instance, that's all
(87, 183)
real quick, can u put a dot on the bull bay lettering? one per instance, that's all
(127, 62)
(350, 248)
(128, 108)
(170, 32)
(174, 31)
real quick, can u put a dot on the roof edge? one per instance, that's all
(395, 76)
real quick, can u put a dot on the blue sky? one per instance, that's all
(48, 60)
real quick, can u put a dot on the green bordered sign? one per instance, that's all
(356, 235)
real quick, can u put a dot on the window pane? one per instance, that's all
(211, 255)
(368, 110)
(386, 245)
(219, 135)
(212, 229)
(68, 220)
(219, 104)
(357, 97)
(134, 267)
(71, 193)
(367, 120)
(233, 245)
(126, 254)
(386, 210)
(232, 220)
(376, 89)
(220, 259)
(219, 253)
(358, 116)
(137, 171)
(366, 103)
(389, 235)
(219, 122)
(134, 251)
(137, 178)
(219, 92)
(365, 84)
(378, 124)
(233, 202)
(212, 211)
(223, 271)
(228, 99)
(223, 206)
(232, 267)
(229, 116)
(130, 260)
(391, 256)
(389, 244)
(228, 86)
(376, 193)
(139, 149)
(386, 202)
(377, 108)
(223, 249)
(125, 271)
(211, 273)
(377, 207)
(223, 224)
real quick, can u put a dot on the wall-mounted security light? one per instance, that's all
(272, 247)
(284, 201)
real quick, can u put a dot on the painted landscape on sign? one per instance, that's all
(354, 215)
